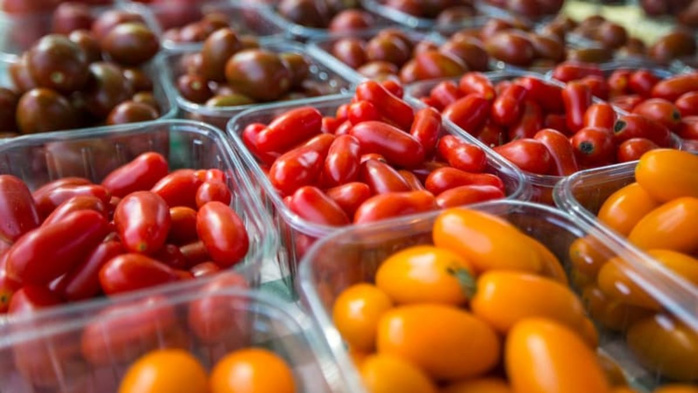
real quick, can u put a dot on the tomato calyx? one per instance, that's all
(586, 147)
(466, 280)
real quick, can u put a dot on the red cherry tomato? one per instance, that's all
(426, 129)
(626, 102)
(570, 71)
(689, 128)
(223, 233)
(204, 269)
(394, 87)
(636, 126)
(330, 124)
(593, 146)
(178, 188)
(83, 281)
(577, 99)
(687, 104)
(547, 95)
(131, 272)
(290, 129)
(350, 196)
(556, 122)
(398, 147)
(250, 136)
(560, 150)
(462, 155)
(465, 195)
(18, 212)
(381, 178)
(530, 122)
(619, 81)
(41, 192)
(171, 256)
(528, 154)
(661, 111)
(507, 107)
(342, 162)
(412, 180)
(597, 86)
(182, 225)
(632, 149)
(492, 135)
(195, 252)
(394, 204)
(8, 286)
(391, 107)
(673, 88)
(600, 115)
(297, 168)
(313, 205)
(446, 93)
(447, 178)
(143, 221)
(642, 82)
(80, 202)
(51, 199)
(65, 244)
(362, 111)
(469, 113)
(213, 191)
(478, 83)
(140, 174)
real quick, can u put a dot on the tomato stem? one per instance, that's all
(466, 281)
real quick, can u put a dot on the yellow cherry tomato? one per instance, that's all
(615, 282)
(668, 174)
(426, 274)
(446, 342)
(675, 388)
(587, 256)
(383, 373)
(165, 371)
(626, 207)
(672, 226)
(665, 346)
(252, 370)
(485, 240)
(479, 385)
(503, 298)
(543, 356)
(356, 313)
(611, 313)
(683, 265)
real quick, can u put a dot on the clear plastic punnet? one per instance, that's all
(298, 234)
(667, 355)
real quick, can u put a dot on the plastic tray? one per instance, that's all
(541, 185)
(245, 19)
(354, 254)
(94, 152)
(241, 319)
(19, 32)
(414, 22)
(320, 72)
(298, 234)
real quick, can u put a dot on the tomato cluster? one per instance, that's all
(375, 159)
(533, 9)
(509, 304)
(244, 370)
(72, 240)
(200, 30)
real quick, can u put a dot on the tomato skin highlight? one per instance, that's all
(76, 203)
(142, 221)
(140, 174)
(223, 233)
(397, 146)
(18, 211)
(290, 129)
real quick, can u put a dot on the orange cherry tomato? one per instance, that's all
(504, 298)
(589, 333)
(611, 313)
(624, 389)
(356, 313)
(165, 371)
(672, 226)
(665, 346)
(614, 281)
(668, 174)
(563, 362)
(383, 373)
(479, 385)
(426, 274)
(252, 370)
(485, 240)
(435, 338)
(552, 268)
(587, 256)
(626, 207)
(675, 388)
(683, 265)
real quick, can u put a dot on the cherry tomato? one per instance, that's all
(593, 146)
(642, 82)
(41, 192)
(444, 179)
(462, 155)
(619, 81)
(412, 180)
(356, 313)
(688, 128)
(254, 370)
(143, 221)
(382, 178)
(469, 113)
(492, 135)
(171, 256)
(478, 83)
(636, 126)
(560, 352)
(17, 208)
(297, 168)
(153, 372)
(529, 123)
(140, 174)
(528, 154)
(670, 226)
(350, 196)
(330, 124)
(213, 191)
(597, 86)
(398, 147)
(466, 195)
(673, 88)
(290, 129)
(446, 93)
(391, 107)
(64, 243)
(178, 188)
(223, 233)
(76, 203)
(342, 162)
(627, 102)
(623, 209)
(250, 137)
(661, 111)
(83, 281)
(313, 205)
(51, 199)
(394, 87)
(8, 286)
(195, 252)
(479, 385)
(632, 149)
(560, 150)
(610, 313)
(506, 108)
(383, 373)
(360, 111)
(687, 104)
(204, 269)
(426, 129)
(394, 204)
(667, 174)
(131, 272)
(577, 99)
(614, 281)
(600, 115)
(434, 337)
(569, 71)
(183, 225)
(547, 95)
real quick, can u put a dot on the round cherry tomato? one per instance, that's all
(140, 174)
(131, 272)
(17, 209)
(254, 370)
(356, 313)
(143, 221)
(593, 146)
(223, 233)
(383, 373)
(153, 372)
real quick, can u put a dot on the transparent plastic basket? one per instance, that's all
(320, 72)
(89, 349)
(297, 234)
(353, 255)
(94, 152)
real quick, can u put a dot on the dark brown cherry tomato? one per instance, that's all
(528, 154)
(57, 63)
(350, 196)
(83, 281)
(17, 209)
(444, 179)
(349, 20)
(131, 272)
(217, 49)
(470, 112)
(661, 111)
(112, 18)
(465, 195)
(130, 44)
(548, 47)
(313, 205)
(8, 109)
(69, 17)
(378, 70)
(258, 74)
(138, 80)
(468, 49)
(131, 112)
(20, 75)
(106, 88)
(387, 48)
(511, 47)
(394, 204)
(593, 146)
(44, 110)
(88, 43)
(351, 52)
(76, 203)
(178, 188)
(142, 221)
(398, 147)
(636, 126)
(194, 88)
(140, 174)
(632, 149)
(687, 104)
(213, 190)
(223, 233)
(433, 64)
(560, 150)
(65, 243)
(298, 65)
(672, 46)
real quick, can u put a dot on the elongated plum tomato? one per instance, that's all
(426, 274)
(356, 313)
(673, 226)
(140, 174)
(625, 208)
(142, 221)
(131, 272)
(383, 373)
(223, 233)
(18, 211)
(667, 174)
(487, 241)
(555, 350)
(434, 337)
